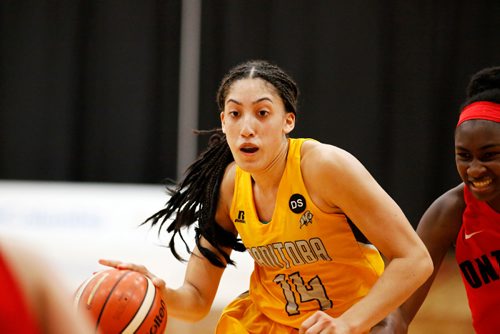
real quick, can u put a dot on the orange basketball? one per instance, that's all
(122, 301)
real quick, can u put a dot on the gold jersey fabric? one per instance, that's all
(305, 259)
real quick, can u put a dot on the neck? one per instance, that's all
(270, 177)
(495, 204)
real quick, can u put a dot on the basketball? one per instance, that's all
(122, 301)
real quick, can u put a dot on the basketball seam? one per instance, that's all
(133, 321)
(81, 289)
(126, 272)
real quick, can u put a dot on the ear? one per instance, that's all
(289, 122)
(222, 122)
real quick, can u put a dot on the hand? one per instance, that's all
(160, 283)
(322, 323)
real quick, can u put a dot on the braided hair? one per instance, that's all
(195, 198)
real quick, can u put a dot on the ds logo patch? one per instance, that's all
(297, 203)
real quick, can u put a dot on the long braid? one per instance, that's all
(195, 198)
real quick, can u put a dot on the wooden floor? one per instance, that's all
(445, 310)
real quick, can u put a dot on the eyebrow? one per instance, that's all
(485, 147)
(255, 102)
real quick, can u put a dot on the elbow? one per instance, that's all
(197, 316)
(192, 316)
(203, 312)
(188, 305)
(425, 265)
(197, 312)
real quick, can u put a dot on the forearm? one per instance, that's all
(192, 301)
(398, 321)
(400, 279)
(186, 303)
(411, 306)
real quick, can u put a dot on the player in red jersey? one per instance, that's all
(468, 215)
(32, 299)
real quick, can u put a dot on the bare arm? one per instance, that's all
(338, 181)
(438, 229)
(193, 300)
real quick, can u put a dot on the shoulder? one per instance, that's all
(327, 164)
(318, 156)
(332, 175)
(449, 205)
(227, 183)
(443, 218)
(314, 149)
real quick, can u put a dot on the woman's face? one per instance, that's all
(477, 156)
(255, 123)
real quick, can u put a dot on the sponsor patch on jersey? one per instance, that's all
(241, 217)
(306, 218)
(297, 203)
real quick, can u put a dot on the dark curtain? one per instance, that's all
(89, 89)
(381, 79)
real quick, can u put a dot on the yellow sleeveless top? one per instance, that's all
(305, 259)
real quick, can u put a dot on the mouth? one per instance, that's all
(248, 148)
(481, 184)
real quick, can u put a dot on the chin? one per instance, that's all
(485, 195)
(247, 166)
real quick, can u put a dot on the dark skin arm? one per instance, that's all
(438, 228)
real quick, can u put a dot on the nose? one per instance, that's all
(247, 127)
(476, 169)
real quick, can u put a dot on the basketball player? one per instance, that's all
(32, 298)
(468, 215)
(307, 213)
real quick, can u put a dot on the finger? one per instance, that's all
(123, 265)
(110, 263)
(135, 267)
(306, 324)
(317, 327)
(158, 282)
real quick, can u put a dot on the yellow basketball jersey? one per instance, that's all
(305, 259)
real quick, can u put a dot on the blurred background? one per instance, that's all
(109, 92)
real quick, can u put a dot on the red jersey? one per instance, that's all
(15, 316)
(478, 256)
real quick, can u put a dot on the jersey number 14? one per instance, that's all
(313, 291)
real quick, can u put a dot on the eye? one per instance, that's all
(233, 113)
(489, 156)
(462, 156)
(263, 112)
